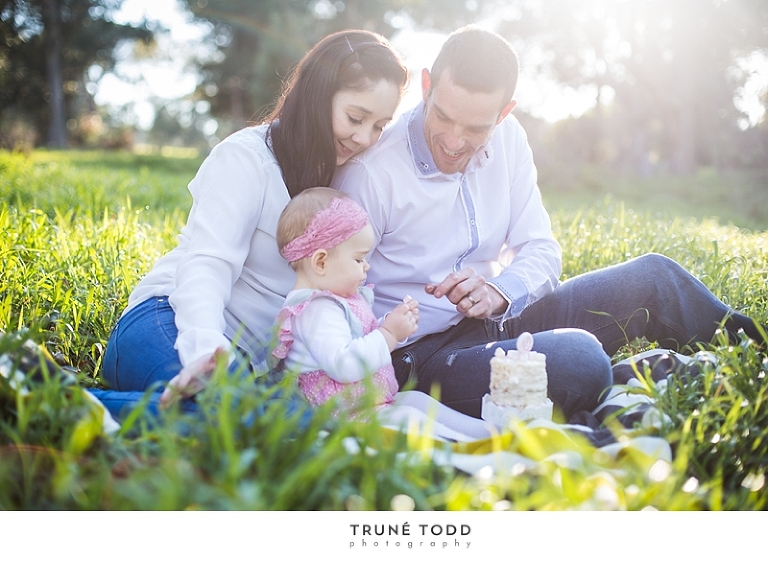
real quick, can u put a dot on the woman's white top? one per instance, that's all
(225, 279)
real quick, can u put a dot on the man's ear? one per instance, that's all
(318, 261)
(426, 83)
(506, 111)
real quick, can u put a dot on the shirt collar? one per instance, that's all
(422, 157)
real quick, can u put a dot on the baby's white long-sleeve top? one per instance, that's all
(323, 340)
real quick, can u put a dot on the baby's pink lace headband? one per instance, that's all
(341, 220)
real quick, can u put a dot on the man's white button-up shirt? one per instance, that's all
(428, 224)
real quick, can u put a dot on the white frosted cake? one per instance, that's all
(518, 385)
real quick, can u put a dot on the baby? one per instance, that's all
(327, 330)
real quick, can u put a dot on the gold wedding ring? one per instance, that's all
(471, 300)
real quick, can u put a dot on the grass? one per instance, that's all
(95, 181)
(735, 197)
(81, 228)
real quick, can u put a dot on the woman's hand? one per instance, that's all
(402, 322)
(192, 378)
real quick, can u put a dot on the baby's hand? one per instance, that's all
(402, 322)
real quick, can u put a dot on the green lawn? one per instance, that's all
(81, 228)
(736, 197)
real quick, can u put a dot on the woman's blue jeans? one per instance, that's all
(140, 349)
(578, 326)
(141, 356)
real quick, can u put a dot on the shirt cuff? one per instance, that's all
(198, 342)
(513, 290)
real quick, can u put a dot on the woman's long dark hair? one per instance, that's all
(301, 127)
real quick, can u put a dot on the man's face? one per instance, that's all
(458, 122)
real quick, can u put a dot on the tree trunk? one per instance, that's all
(57, 129)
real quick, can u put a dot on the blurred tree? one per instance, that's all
(46, 46)
(669, 64)
(180, 126)
(666, 67)
(259, 42)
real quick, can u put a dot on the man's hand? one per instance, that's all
(470, 294)
(192, 378)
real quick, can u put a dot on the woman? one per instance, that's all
(225, 281)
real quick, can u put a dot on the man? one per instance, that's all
(452, 196)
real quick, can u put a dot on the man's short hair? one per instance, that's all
(479, 60)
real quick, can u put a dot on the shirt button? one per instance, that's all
(472, 222)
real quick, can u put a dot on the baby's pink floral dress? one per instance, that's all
(316, 386)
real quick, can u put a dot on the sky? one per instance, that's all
(164, 76)
(168, 76)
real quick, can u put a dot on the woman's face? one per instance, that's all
(359, 117)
